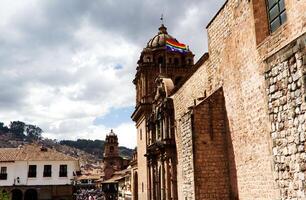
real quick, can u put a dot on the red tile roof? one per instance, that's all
(32, 152)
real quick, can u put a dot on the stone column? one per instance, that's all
(173, 179)
(163, 196)
(152, 182)
(165, 133)
(162, 131)
(149, 180)
(167, 128)
(157, 183)
(168, 179)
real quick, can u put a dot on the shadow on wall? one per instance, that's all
(214, 159)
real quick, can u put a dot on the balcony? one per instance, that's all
(3, 176)
(160, 146)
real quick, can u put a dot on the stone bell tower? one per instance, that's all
(111, 145)
(112, 161)
(155, 61)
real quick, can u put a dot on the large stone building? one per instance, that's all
(239, 113)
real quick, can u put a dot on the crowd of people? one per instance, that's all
(89, 194)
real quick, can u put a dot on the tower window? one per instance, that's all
(148, 59)
(176, 61)
(111, 149)
(160, 60)
(140, 134)
(276, 13)
(189, 61)
(170, 60)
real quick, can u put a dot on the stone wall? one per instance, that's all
(142, 160)
(186, 169)
(286, 81)
(214, 178)
(236, 63)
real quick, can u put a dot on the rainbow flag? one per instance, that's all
(172, 45)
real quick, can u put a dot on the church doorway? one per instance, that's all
(16, 194)
(30, 194)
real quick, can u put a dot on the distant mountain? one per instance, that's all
(88, 151)
(95, 147)
(8, 140)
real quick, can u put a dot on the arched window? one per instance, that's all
(189, 61)
(16, 194)
(148, 59)
(170, 60)
(176, 61)
(160, 60)
(31, 194)
(111, 149)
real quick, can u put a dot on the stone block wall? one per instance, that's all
(213, 177)
(237, 64)
(186, 169)
(286, 81)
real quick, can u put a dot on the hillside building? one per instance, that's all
(35, 172)
(232, 125)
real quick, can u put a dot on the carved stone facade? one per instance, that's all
(161, 149)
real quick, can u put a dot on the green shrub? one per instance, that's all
(4, 195)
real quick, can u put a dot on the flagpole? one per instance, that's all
(166, 61)
(162, 20)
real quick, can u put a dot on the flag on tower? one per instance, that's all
(173, 45)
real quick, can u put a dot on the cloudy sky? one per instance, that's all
(68, 65)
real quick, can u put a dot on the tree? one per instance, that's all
(33, 132)
(17, 128)
(3, 129)
(4, 195)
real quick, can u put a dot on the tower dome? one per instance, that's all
(156, 59)
(159, 40)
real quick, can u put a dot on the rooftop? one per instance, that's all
(32, 152)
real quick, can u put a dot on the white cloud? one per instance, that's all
(83, 129)
(59, 59)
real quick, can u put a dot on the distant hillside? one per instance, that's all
(88, 151)
(95, 147)
(8, 140)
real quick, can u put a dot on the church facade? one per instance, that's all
(232, 125)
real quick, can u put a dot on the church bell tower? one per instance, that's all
(111, 145)
(156, 60)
